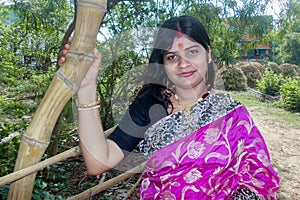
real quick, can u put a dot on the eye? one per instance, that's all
(193, 51)
(171, 57)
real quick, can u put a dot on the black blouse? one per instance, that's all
(143, 112)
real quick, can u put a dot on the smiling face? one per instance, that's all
(186, 63)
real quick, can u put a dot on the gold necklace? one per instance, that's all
(186, 107)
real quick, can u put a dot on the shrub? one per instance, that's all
(232, 79)
(290, 94)
(270, 83)
(297, 68)
(275, 67)
(259, 66)
(290, 70)
(252, 74)
(240, 63)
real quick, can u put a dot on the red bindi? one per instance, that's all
(180, 46)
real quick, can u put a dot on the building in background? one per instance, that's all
(256, 47)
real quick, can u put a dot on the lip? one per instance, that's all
(187, 74)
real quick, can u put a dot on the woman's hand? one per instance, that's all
(87, 88)
(90, 77)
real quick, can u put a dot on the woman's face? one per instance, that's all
(186, 63)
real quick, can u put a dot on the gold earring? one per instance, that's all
(169, 85)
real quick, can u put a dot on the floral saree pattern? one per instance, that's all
(213, 162)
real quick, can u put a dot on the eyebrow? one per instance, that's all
(193, 46)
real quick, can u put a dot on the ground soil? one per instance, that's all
(283, 142)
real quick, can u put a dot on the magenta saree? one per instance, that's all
(212, 162)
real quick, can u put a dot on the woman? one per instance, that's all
(199, 144)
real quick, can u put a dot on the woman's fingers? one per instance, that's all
(67, 46)
(89, 80)
(93, 71)
(63, 54)
(61, 61)
(97, 55)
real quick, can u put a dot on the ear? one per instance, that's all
(209, 57)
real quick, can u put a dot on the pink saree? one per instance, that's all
(213, 162)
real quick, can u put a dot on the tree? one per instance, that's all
(286, 37)
(289, 20)
(289, 49)
(33, 36)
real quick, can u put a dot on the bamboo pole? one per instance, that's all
(39, 166)
(75, 151)
(64, 84)
(109, 183)
(131, 191)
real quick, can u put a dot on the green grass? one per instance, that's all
(250, 99)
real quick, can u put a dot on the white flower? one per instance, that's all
(262, 156)
(145, 184)
(240, 148)
(245, 169)
(195, 149)
(192, 176)
(167, 195)
(212, 135)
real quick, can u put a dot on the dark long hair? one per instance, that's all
(155, 78)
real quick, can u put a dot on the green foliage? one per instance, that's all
(21, 89)
(252, 74)
(289, 48)
(4, 191)
(40, 191)
(233, 79)
(32, 36)
(290, 94)
(68, 112)
(9, 150)
(285, 39)
(289, 20)
(270, 83)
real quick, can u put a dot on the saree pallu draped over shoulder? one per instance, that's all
(212, 162)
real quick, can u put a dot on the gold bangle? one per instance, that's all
(90, 105)
(91, 108)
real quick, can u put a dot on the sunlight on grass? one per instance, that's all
(250, 99)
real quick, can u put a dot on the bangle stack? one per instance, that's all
(90, 106)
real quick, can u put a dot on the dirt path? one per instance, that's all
(283, 142)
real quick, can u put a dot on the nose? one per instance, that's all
(183, 62)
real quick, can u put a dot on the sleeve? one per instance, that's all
(141, 114)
